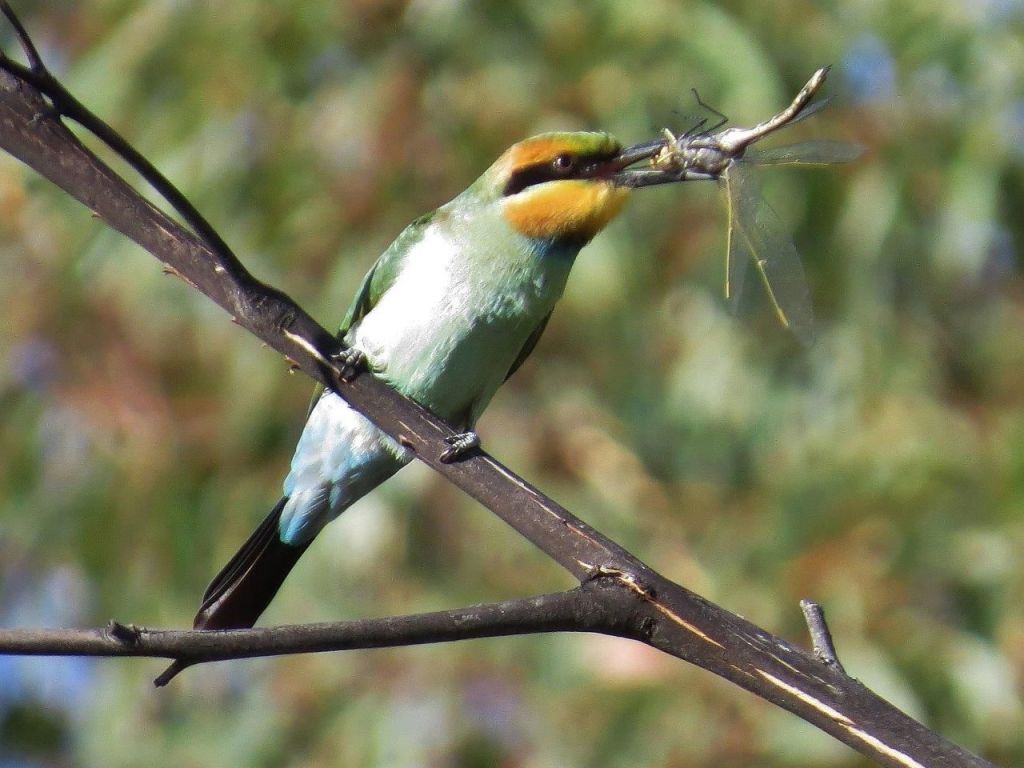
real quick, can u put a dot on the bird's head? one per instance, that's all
(561, 187)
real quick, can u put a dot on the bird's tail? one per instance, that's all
(245, 586)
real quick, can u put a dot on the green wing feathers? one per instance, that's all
(376, 282)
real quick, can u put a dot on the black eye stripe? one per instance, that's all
(552, 170)
(530, 175)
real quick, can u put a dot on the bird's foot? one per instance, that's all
(460, 446)
(350, 361)
(51, 112)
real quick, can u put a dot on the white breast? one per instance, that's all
(415, 315)
(448, 329)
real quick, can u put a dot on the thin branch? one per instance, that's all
(821, 635)
(629, 598)
(63, 103)
(573, 610)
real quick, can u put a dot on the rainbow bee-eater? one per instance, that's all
(447, 313)
(458, 301)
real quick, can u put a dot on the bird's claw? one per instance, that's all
(459, 446)
(349, 361)
(50, 112)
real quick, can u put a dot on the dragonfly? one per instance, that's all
(755, 232)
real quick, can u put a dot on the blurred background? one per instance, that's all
(880, 472)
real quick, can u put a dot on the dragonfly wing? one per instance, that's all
(737, 256)
(816, 152)
(772, 250)
(811, 109)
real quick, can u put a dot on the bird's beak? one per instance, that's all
(620, 169)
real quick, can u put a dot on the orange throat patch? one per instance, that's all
(574, 209)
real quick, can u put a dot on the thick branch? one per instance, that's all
(636, 602)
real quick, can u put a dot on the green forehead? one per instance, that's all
(547, 146)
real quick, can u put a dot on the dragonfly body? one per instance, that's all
(693, 157)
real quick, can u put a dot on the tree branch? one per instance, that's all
(576, 610)
(620, 594)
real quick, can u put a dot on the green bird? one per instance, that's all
(449, 311)
(455, 305)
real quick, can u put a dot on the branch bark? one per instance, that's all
(579, 610)
(619, 595)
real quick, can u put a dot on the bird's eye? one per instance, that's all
(563, 163)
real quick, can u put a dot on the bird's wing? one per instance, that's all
(531, 342)
(381, 276)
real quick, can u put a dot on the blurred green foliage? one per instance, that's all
(880, 472)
